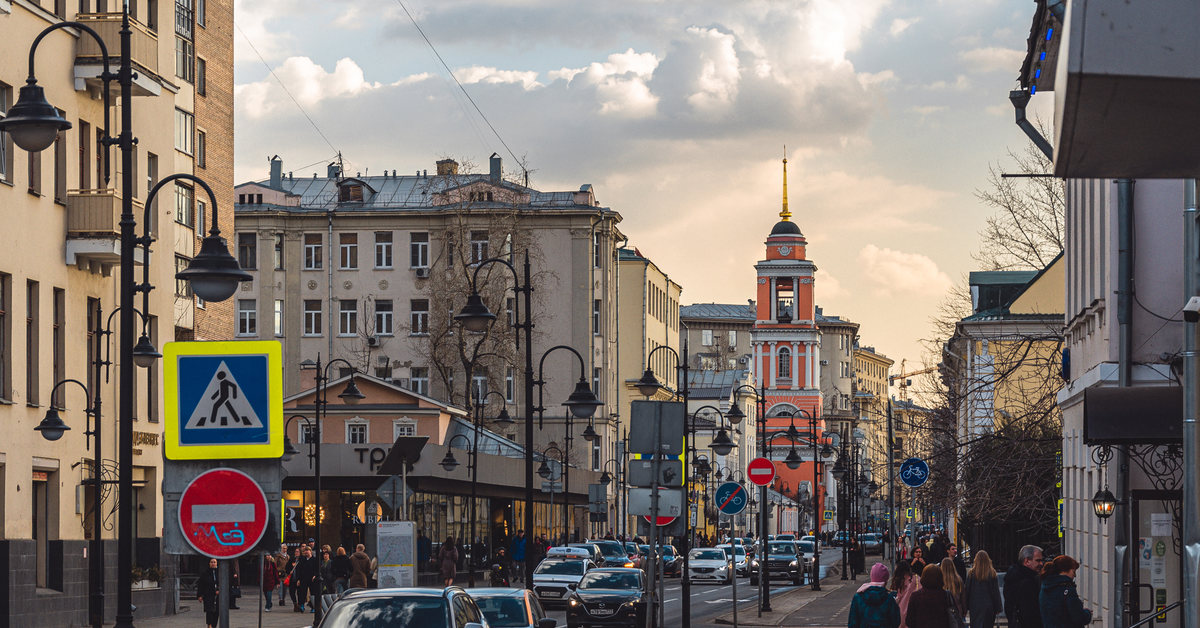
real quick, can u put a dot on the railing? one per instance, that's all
(92, 213)
(1156, 614)
(108, 26)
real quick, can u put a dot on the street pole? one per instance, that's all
(891, 463)
(96, 565)
(816, 573)
(764, 577)
(474, 488)
(322, 412)
(566, 473)
(685, 587)
(733, 567)
(1191, 435)
(527, 326)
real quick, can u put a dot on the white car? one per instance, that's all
(741, 560)
(709, 564)
(555, 578)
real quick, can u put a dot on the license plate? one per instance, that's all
(603, 612)
(552, 593)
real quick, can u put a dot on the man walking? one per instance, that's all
(959, 565)
(517, 554)
(1021, 588)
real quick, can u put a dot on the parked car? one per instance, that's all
(609, 596)
(709, 564)
(783, 560)
(512, 608)
(404, 608)
(741, 558)
(614, 553)
(871, 542)
(841, 538)
(554, 578)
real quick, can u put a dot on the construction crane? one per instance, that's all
(902, 380)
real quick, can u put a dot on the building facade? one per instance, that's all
(718, 334)
(58, 283)
(838, 337)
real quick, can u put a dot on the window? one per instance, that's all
(347, 317)
(200, 209)
(6, 337)
(201, 149)
(151, 179)
(732, 338)
(202, 12)
(706, 337)
(479, 386)
(185, 130)
(383, 317)
(247, 317)
(183, 287)
(6, 143)
(596, 317)
(509, 384)
(596, 250)
(403, 427)
(419, 319)
(349, 250)
(185, 59)
(383, 249)
(419, 380)
(356, 432)
(312, 317)
(35, 173)
(152, 375)
(60, 168)
(185, 205)
(307, 434)
(201, 77)
(350, 193)
(278, 254)
(278, 318)
(596, 381)
(418, 248)
(312, 251)
(510, 305)
(248, 250)
(479, 246)
(31, 343)
(784, 370)
(58, 342)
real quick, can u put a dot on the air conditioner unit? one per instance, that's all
(423, 272)
(372, 341)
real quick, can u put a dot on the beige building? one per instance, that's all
(838, 336)
(718, 334)
(871, 396)
(59, 267)
(371, 270)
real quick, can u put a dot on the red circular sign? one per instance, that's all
(760, 471)
(662, 521)
(223, 513)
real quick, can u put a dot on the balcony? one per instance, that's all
(94, 229)
(144, 43)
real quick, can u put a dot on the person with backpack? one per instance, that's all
(873, 606)
(1058, 600)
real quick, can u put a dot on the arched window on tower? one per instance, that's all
(784, 369)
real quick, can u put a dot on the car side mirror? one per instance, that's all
(547, 622)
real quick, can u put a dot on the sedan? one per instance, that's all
(512, 608)
(709, 564)
(554, 578)
(610, 596)
(741, 559)
(871, 542)
(404, 608)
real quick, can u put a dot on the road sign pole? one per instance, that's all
(223, 592)
(733, 567)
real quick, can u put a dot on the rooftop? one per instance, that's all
(722, 311)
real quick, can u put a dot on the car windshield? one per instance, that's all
(388, 612)
(807, 547)
(612, 549)
(504, 610)
(708, 554)
(610, 580)
(669, 550)
(587, 548)
(781, 548)
(631, 548)
(737, 549)
(560, 567)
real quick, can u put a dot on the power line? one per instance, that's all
(285, 89)
(456, 82)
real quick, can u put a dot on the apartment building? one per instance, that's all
(58, 282)
(718, 334)
(838, 337)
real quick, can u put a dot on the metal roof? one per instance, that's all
(731, 311)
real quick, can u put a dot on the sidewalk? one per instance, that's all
(802, 606)
(191, 615)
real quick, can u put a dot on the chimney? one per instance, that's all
(495, 168)
(276, 173)
(333, 171)
(447, 167)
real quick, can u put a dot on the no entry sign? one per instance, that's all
(761, 471)
(223, 513)
(662, 521)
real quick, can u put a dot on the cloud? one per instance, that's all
(481, 74)
(828, 286)
(619, 83)
(928, 110)
(994, 59)
(308, 83)
(896, 273)
(961, 83)
(900, 25)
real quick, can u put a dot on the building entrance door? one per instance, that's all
(1156, 581)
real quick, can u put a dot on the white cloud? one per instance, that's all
(994, 59)
(482, 74)
(928, 110)
(308, 82)
(895, 273)
(900, 25)
(828, 286)
(961, 83)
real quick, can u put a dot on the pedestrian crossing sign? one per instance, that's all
(223, 400)
(909, 513)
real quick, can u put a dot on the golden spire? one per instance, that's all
(786, 214)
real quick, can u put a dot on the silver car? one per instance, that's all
(555, 578)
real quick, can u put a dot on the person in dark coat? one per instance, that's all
(918, 562)
(937, 550)
(207, 591)
(340, 569)
(1021, 588)
(360, 568)
(959, 564)
(517, 551)
(270, 579)
(1059, 602)
(929, 606)
(305, 576)
(872, 605)
(447, 561)
(983, 592)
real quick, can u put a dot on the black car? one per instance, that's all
(404, 608)
(784, 560)
(608, 597)
(672, 563)
(512, 608)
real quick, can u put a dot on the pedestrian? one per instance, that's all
(1059, 602)
(929, 607)
(918, 560)
(208, 592)
(953, 585)
(959, 565)
(270, 578)
(326, 572)
(873, 606)
(281, 563)
(517, 552)
(937, 550)
(360, 568)
(235, 584)
(424, 550)
(305, 576)
(447, 561)
(293, 579)
(902, 586)
(1021, 588)
(340, 568)
(982, 592)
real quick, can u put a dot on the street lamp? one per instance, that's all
(764, 591)
(289, 449)
(502, 419)
(350, 395)
(34, 123)
(546, 472)
(605, 479)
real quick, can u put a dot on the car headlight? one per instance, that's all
(793, 564)
(573, 602)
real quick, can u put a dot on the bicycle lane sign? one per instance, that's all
(914, 472)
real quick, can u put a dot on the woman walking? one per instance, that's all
(902, 586)
(929, 606)
(207, 591)
(983, 592)
(873, 606)
(953, 585)
(448, 561)
(1059, 602)
(918, 560)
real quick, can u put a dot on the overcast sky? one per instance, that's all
(677, 113)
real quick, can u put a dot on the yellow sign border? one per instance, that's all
(273, 448)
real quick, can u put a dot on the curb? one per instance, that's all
(748, 615)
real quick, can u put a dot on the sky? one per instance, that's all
(677, 113)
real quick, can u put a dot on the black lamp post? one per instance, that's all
(475, 316)
(764, 591)
(606, 479)
(350, 395)
(547, 473)
(34, 124)
(289, 449)
(503, 419)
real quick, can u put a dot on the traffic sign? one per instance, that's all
(662, 521)
(731, 498)
(827, 515)
(910, 513)
(223, 400)
(223, 513)
(761, 471)
(914, 472)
